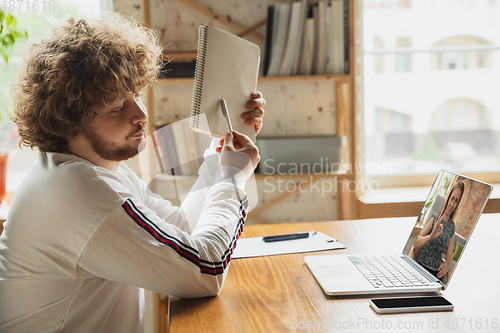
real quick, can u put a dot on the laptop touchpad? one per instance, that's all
(341, 277)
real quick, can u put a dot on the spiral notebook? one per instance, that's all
(227, 66)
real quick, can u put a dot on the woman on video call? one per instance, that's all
(440, 235)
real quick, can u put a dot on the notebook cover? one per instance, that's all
(227, 67)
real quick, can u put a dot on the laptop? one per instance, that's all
(416, 268)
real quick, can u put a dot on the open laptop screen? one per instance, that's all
(446, 222)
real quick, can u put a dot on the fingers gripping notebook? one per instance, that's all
(227, 66)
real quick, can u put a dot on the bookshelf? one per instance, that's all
(327, 77)
(337, 118)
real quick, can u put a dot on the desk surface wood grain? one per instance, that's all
(279, 293)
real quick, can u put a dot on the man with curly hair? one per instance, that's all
(83, 233)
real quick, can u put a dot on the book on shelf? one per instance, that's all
(179, 150)
(271, 30)
(300, 36)
(291, 42)
(182, 68)
(337, 41)
(315, 14)
(330, 50)
(347, 64)
(165, 149)
(280, 20)
(322, 51)
(307, 38)
(307, 55)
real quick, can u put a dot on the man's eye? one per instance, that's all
(120, 109)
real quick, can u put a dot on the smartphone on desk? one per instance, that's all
(411, 304)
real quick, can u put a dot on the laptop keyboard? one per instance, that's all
(386, 271)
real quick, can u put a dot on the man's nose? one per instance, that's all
(140, 114)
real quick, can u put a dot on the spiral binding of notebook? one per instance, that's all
(198, 77)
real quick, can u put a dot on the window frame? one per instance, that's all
(414, 180)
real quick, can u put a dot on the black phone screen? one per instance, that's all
(388, 303)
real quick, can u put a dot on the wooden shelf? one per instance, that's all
(288, 78)
(175, 80)
(337, 78)
(179, 55)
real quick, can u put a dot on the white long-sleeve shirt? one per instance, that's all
(80, 242)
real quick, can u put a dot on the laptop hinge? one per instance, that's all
(421, 270)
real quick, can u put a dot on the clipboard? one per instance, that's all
(256, 247)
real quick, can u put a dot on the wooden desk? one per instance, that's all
(279, 293)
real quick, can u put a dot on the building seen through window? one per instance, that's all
(379, 58)
(430, 74)
(403, 59)
(464, 52)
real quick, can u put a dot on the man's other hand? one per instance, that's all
(256, 114)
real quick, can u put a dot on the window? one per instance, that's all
(403, 58)
(37, 23)
(462, 52)
(439, 107)
(389, 121)
(394, 127)
(379, 58)
(461, 114)
(461, 133)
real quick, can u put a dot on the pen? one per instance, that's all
(223, 106)
(226, 114)
(285, 237)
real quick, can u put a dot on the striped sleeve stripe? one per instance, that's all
(182, 249)
(243, 215)
(219, 267)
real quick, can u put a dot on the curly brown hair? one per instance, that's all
(78, 70)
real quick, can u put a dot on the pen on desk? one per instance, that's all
(285, 237)
(226, 115)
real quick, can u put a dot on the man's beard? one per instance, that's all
(111, 151)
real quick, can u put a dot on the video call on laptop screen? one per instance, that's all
(456, 202)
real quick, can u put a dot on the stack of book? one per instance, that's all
(305, 39)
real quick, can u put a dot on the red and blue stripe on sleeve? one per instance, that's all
(182, 249)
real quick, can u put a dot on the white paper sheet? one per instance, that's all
(256, 247)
